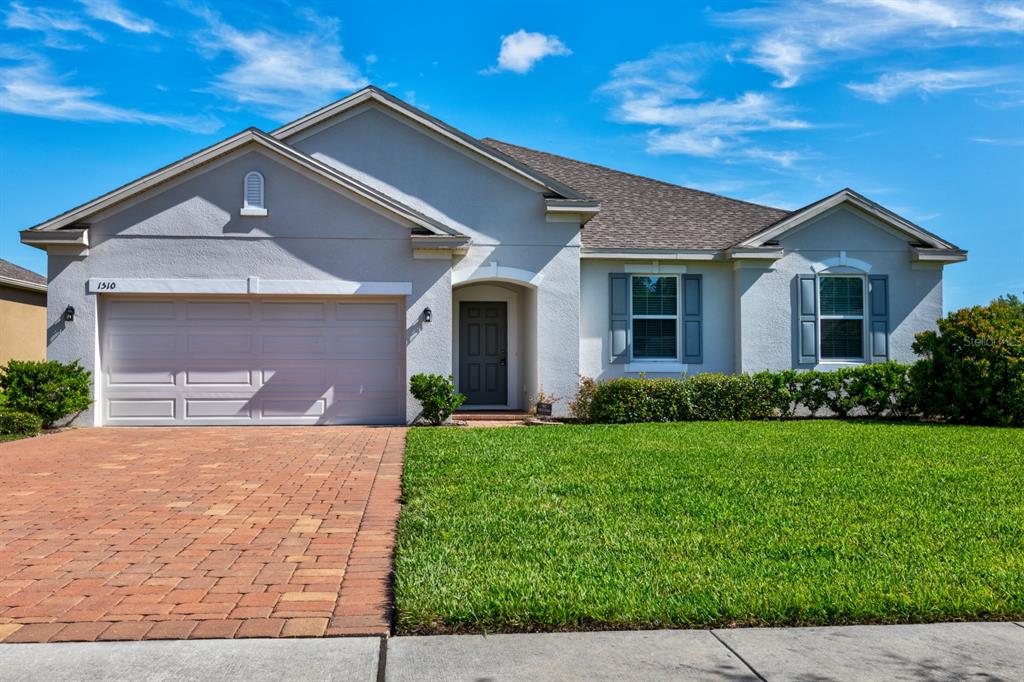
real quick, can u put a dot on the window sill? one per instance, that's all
(654, 367)
(254, 212)
(841, 363)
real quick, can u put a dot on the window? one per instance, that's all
(841, 302)
(252, 195)
(655, 317)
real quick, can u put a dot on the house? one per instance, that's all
(302, 276)
(22, 314)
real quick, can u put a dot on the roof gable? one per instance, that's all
(847, 197)
(251, 136)
(372, 94)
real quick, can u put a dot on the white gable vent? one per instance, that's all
(252, 199)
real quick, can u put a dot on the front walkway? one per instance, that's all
(174, 533)
(946, 651)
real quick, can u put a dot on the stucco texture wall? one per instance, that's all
(717, 285)
(767, 296)
(193, 230)
(22, 324)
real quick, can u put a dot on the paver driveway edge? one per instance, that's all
(218, 532)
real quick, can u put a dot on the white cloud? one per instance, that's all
(659, 92)
(283, 75)
(57, 26)
(1000, 141)
(927, 81)
(795, 37)
(30, 87)
(112, 12)
(520, 51)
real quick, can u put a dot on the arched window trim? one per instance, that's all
(258, 206)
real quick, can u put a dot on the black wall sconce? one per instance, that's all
(427, 314)
(69, 314)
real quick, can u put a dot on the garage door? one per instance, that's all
(252, 361)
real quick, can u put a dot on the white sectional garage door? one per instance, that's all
(252, 361)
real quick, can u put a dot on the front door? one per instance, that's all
(483, 352)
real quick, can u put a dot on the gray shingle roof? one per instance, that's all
(642, 213)
(12, 271)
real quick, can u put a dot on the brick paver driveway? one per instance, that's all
(148, 533)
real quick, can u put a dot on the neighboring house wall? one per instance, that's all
(22, 324)
(766, 296)
(504, 216)
(717, 287)
(193, 230)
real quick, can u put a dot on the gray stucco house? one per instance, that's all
(302, 276)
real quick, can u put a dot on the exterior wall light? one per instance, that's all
(427, 315)
(69, 314)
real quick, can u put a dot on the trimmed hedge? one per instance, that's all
(876, 390)
(51, 390)
(14, 423)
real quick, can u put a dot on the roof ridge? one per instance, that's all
(488, 140)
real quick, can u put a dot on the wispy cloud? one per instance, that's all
(1000, 141)
(659, 91)
(111, 11)
(520, 51)
(29, 86)
(59, 27)
(792, 38)
(928, 82)
(283, 75)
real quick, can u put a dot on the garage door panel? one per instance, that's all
(298, 312)
(131, 376)
(293, 407)
(297, 344)
(221, 408)
(218, 344)
(218, 310)
(134, 345)
(252, 361)
(202, 377)
(142, 310)
(141, 408)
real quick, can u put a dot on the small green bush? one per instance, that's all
(14, 423)
(579, 407)
(882, 388)
(51, 390)
(973, 369)
(437, 395)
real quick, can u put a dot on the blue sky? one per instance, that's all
(918, 104)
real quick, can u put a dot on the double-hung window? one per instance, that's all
(655, 317)
(841, 319)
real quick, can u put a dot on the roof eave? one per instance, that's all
(21, 284)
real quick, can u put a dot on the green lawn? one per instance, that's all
(659, 525)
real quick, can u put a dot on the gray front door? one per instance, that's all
(483, 353)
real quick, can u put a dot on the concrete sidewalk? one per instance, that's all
(948, 651)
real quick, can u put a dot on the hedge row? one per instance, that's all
(875, 390)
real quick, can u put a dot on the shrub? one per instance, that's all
(14, 423)
(973, 369)
(724, 397)
(882, 388)
(812, 391)
(51, 390)
(437, 395)
(579, 407)
(777, 392)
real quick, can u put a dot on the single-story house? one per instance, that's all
(302, 276)
(22, 314)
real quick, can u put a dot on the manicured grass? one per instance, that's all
(700, 524)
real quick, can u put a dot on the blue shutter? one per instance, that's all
(878, 297)
(806, 320)
(693, 322)
(618, 318)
